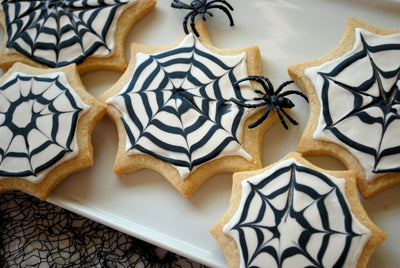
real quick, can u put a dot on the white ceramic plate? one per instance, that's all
(144, 204)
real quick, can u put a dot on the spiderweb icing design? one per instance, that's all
(293, 216)
(360, 100)
(38, 118)
(60, 32)
(177, 105)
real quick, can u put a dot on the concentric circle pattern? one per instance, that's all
(38, 119)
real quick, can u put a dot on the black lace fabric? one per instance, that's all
(35, 233)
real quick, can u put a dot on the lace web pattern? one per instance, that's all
(34, 233)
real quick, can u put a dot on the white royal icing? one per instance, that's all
(372, 136)
(38, 117)
(185, 90)
(289, 217)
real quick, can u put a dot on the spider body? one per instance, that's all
(271, 99)
(201, 7)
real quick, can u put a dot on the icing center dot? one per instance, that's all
(289, 230)
(177, 91)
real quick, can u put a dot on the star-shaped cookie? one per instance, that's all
(174, 112)
(294, 214)
(57, 33)
(354, 93)
(46, 121)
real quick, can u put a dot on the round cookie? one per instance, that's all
(354, 104)
(57, 33)
(174, 113)
(294, 214)
(46, 121)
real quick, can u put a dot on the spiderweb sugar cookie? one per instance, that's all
(46, 121)
(294, 214)
(57, 33)
(354, 93)
(174, 112)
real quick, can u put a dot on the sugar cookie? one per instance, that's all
(46, 121)
(57, 33)
(174, 113)
(294, 214)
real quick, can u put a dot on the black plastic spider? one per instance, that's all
(201, 7)
(272, 99)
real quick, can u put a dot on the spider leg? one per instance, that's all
(289, 92)
(180, 5)
(262, 118)
(294, 122)
(253, 77)
(236, 86)
(192, 24)
(225, 10)
(258, 79)
(263, 81)
(185, 21)
(277, 110)
(248, 105)
(203, 15)
(282, 86)
(221, 1)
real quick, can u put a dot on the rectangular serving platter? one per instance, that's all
(145, 205)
